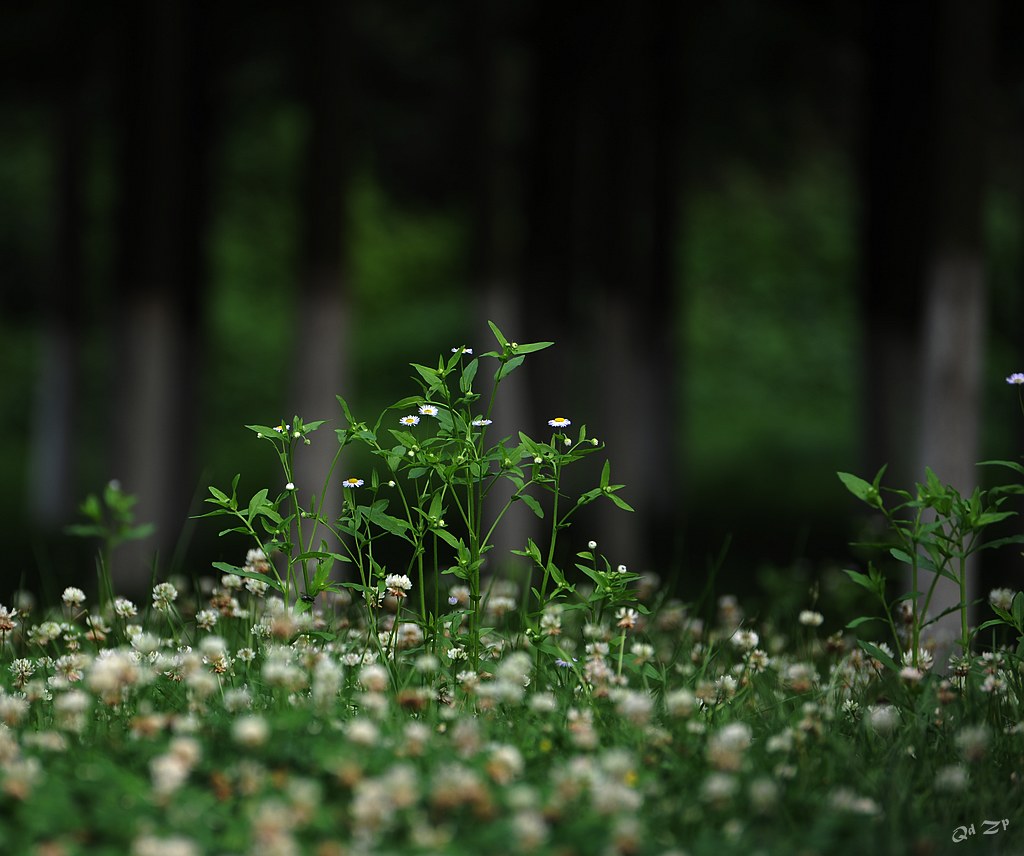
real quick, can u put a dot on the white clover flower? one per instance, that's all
(398, 585)
(250, 731)
(410, 420)
(745, 640)
(352, 481)
(951, 779)
(73, 596)
(626, 617)
(883, 718)
(164, 594)
(559, 422)
(810, 618)
(1002, 598)
(207, 618)
(124, 608)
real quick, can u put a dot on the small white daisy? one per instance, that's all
(352, 482)
(410, 420)
(481, 422)
(428, 410)
(1016, 378)
(559, 422)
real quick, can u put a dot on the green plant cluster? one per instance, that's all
(276, 707)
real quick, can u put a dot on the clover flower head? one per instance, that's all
(352, 481)
(73, 596)
(1017, 378)
(810, 618)
(428, 410)
(559, 422)
(398, 585)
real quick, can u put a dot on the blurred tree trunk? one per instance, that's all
(955, 290)
(163, 204)
(321, 358)
(52, 465)
(634, 346)
(602, 221)
(897, 182)
(497, 117)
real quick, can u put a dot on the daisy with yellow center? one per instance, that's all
(352, 482)
(428, 410)
(410, 420)
(559, 422)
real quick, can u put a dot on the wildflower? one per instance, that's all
(410, 420)
(462, 349)
(250, 731)
(883, 718)
(73, 596)
(164, 594)
(290, 486)
(758, 661)
(7, 622)
(844, 799)
(745, 640)
(559, 422)
(428, 410)
(1002, 598)
(591, 545)
(727, 746)
(626, 618)
(207, 618)
(972, 741)
(951, 779)
(1016, 378)
(810, 618)
(719, 788)
(398, 585)
(480, 422)
(352, 482)
(124, 608)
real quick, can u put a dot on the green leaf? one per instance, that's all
(506, 368)
(345, 409)
(431, 376)
(1013, 465)
(468, 374)
(258, 501)
(864, 619)
(621, 503)
(861, 580)
(861, 489)
(531, 347)
(606, 472)
(878, 654)
(498, 334)
(532, 504)
(242, 572)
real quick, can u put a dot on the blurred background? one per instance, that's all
(771, 240)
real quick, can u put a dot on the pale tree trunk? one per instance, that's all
(162, 211)
(955, 301)
(634, 190)
(55, 408)
(322, 342)
(496, 108)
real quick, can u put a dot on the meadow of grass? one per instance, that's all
(369, 684)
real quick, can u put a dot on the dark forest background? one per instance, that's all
(771, 240)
